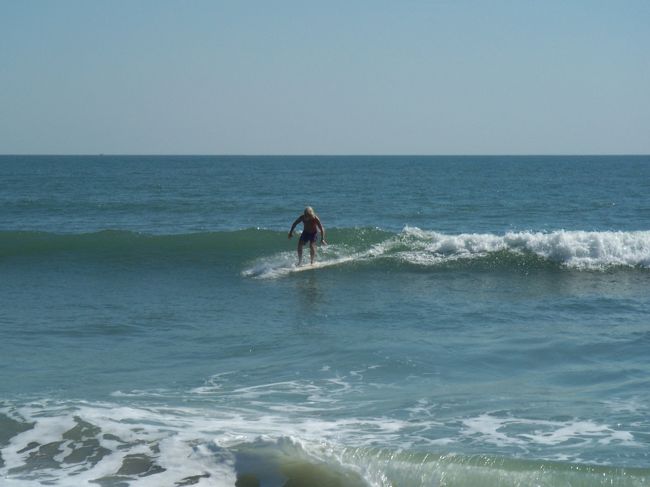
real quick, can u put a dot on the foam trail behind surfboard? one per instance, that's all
(320, 264)
(283, 264)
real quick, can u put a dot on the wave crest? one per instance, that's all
(269, 250)
(574, 249)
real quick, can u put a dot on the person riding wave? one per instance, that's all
(311, 226)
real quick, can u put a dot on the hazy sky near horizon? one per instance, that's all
(335, 77)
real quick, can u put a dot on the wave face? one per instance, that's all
(117, 245)
(266, 253)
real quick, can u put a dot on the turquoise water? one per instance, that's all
(475, 321)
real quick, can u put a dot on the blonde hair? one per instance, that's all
(309, 211)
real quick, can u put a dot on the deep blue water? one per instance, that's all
(473, 321)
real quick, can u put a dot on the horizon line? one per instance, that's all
(143, 154)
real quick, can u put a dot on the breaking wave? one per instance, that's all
(268, 253)
(576, 250)
(118, 445)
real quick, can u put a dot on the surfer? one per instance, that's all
(311, 225)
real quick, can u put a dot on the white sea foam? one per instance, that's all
(284, 263)
(213, 384)
(633, 405)
(202, 444)
(187, 442)
(507, 431)
(271, 266)
(174, 440)
(587, 249)
(573, 249)
(178, 442)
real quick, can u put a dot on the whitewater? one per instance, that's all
(577, 250)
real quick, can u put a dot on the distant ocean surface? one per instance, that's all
(476, 321)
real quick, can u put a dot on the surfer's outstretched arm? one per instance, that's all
(298, 220)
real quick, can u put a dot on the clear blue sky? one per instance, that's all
(325, 77)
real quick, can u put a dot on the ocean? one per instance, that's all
(473, 321)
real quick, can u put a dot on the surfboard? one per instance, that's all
(319, 265)
(269, 270)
